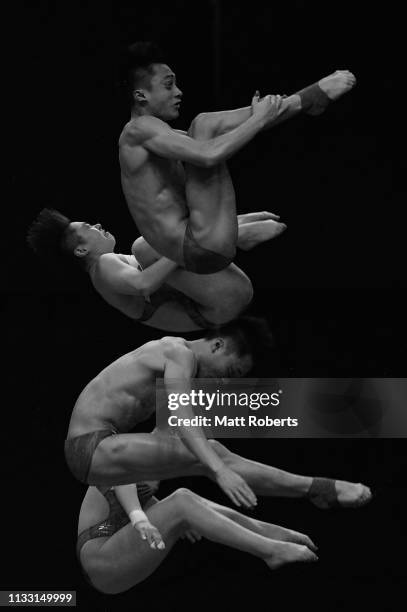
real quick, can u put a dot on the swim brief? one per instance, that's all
(116, 519)
(79, 451)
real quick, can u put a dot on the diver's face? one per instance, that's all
(221, 362)
(93, 238)
(163, 96)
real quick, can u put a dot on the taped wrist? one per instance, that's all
(313, 99)
(137, 516)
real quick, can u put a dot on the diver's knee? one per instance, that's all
(183, 493)
(244, 293)
(138, 246)
(240, 294)
(143, 252)
(183, 498)
(205, 125)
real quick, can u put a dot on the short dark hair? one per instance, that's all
(249, 336)
(49, 234)
(140, 58)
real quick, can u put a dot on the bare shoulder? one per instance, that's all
(176, 349)
(106, 258)
(139, 129)
(108, 261)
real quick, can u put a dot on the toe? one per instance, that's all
(311, 545)
(310, 556)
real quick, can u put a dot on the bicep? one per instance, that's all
(179, 370)
(121, 278)
(180, 147)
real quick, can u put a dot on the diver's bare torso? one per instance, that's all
(123, 394)
(154, 188)
(130, 305)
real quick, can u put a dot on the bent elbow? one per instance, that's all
(211, 158)
(138, 286)
(143, 288)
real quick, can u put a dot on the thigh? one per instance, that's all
(219, 288)
(212, 204)
(127, 458)
(123, 560)
(209, 192)
(172, 316)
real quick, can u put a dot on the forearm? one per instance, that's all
(154, 276)
(195, 440)
(128, 498)
(231, 119)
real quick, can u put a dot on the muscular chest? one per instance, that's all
(137, 409)
(170, 171)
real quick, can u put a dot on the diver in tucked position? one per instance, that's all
(177, 185)
(145, 286)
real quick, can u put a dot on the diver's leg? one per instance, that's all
(312, 100)
(218, 300)
(270, 481)
(124, 559)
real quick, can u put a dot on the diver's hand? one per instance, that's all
(268, 108)
(235, 487)
(150, 533)
(192, 535)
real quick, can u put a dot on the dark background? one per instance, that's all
(333, 286)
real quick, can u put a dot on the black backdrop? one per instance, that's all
(333, 286)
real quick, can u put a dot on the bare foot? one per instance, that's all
(285, 552)
(275, 532)
(256, 216)
(337, 84)
(340, 492)
(252, 234)
(351, 495)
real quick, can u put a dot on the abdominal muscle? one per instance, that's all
(121, 396)
(155, 195)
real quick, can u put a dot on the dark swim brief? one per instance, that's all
(200, 260)
(168, 294)
(116, 519)
(79, 451)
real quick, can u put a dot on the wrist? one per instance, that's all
(137, 516)
(218, 469)
(258, 120)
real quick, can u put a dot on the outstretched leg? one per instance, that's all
(127, 458)
(270, 481)
(268, 530)
(312, 100)
(124, 560)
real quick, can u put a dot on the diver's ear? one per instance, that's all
(81, 251)
(139, 96)
(217, 344)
